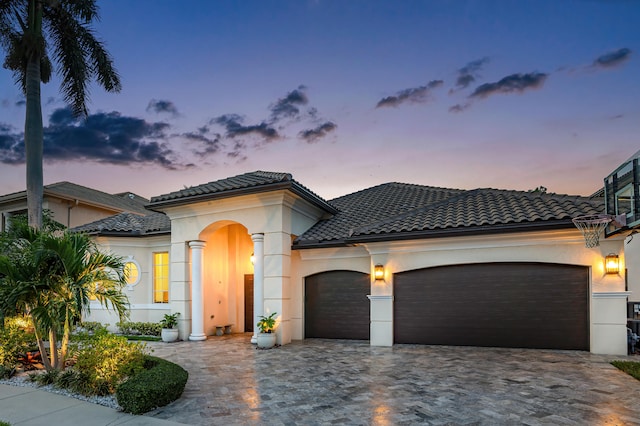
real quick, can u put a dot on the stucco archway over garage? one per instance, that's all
(527, 305)
(336, 305)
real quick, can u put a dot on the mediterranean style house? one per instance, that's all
(395, 263)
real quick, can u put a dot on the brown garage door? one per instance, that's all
(336, 305)
(520, 305)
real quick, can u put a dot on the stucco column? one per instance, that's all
(197, 299)
(258, 282)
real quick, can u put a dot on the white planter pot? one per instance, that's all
(266, 340)
(169, 334)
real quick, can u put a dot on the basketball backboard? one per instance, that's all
(622, 196)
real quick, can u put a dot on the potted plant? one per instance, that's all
(266, 337)
(169, 331)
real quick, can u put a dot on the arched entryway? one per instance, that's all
(226, 264)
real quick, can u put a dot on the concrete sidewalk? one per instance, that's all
(27, 406)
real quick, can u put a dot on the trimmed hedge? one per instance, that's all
(161, 383)
(144, 328)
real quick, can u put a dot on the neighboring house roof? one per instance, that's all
(128, 224)
(71, 191)
(248, 183)
(400, 211)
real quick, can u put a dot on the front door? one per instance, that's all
(248, 303)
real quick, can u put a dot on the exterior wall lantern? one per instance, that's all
(378, 272)
(612, 264)
(253, 259)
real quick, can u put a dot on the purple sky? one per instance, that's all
(348, 94)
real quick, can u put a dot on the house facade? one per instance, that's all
(72, 205)
(396, 263)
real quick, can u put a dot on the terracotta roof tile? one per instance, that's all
(120, 202)
(128, 223)
(248, 182)
(393, 210)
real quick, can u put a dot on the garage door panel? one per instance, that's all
(501, 304)
(336, 305)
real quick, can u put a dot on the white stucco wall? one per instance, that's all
(140, 295)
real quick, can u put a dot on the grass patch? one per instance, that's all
(139, 338)
(632, 368)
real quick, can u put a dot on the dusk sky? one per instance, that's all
(347, 94)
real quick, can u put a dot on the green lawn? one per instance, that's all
(632, 368)
(142, 338)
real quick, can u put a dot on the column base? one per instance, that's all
(197, 337)
(254, 339)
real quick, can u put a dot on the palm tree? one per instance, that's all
(29, 31)
(52, 277)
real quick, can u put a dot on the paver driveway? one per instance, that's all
(348, 382)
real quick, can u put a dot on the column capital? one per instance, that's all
(197, 244)
(257, 237)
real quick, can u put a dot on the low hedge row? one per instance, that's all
(144, 328)
(160, 383)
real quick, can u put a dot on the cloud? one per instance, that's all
(468, 74)
(411, 95)
(11, 145)
(288, 107)
(514, 83)
(210, 144)
(102, 137)
(233, 124)
(161, 106)
(612, 59)
(312, 135)
(459, 107)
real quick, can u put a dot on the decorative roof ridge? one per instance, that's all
(401, 184)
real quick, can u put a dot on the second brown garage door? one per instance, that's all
(336, 305)
(523, 305)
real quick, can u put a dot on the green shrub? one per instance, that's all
(148, 328)
(14, 341)
(46, 378)
(159, 384)
(93, 326)
(4, 423)
(124, 327)
(6, 373)
(144, 328)
(106, 360)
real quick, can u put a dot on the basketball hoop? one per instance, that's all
(591, 226)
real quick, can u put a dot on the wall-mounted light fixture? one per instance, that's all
(612, 264)
(253, 259)
(378, 272)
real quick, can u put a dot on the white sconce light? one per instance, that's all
(612, 264)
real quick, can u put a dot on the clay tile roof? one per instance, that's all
(394, 210)
(118, 202)
(128, 224)
(248, 183)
